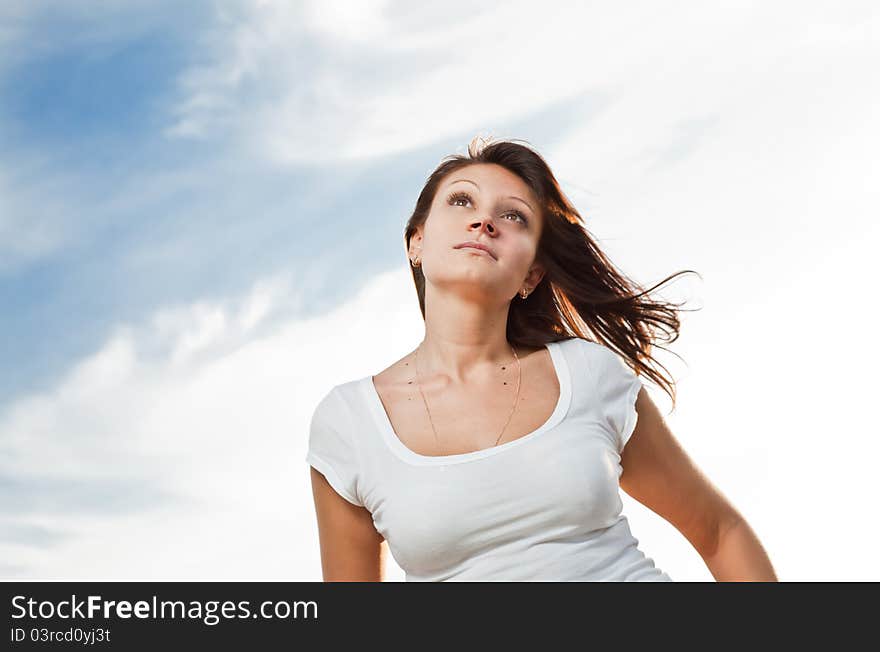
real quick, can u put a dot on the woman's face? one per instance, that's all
(488, 204)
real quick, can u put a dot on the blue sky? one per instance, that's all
(191, 193)
(82, 112)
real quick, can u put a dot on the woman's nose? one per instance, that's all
(487, 223)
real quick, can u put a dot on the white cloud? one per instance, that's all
(301, 83)
(187, 465)
(327, 92)
(347, 20)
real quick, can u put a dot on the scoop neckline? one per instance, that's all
(382, 420)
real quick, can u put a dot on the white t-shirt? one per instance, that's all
(543, 507)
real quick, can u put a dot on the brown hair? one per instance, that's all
(581, 294)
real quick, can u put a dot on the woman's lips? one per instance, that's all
(471, 247)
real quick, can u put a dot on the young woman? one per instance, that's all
(495, 449)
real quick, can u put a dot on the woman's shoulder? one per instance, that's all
(338, 400)
(590, 346)
(593, 357)
(582, 344)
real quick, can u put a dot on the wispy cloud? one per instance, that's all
(182, 442)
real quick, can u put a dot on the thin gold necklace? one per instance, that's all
(515, 400)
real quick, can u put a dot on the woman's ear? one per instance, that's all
(415, 245)
(535, 275)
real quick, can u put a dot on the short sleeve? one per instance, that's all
(617, 388)
(331, 447)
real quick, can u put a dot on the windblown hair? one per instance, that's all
(581, 294)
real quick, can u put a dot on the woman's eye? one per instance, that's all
(461, 196)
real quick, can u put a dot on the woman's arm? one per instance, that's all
(740, 557)
(658, 473)
(351, 548)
